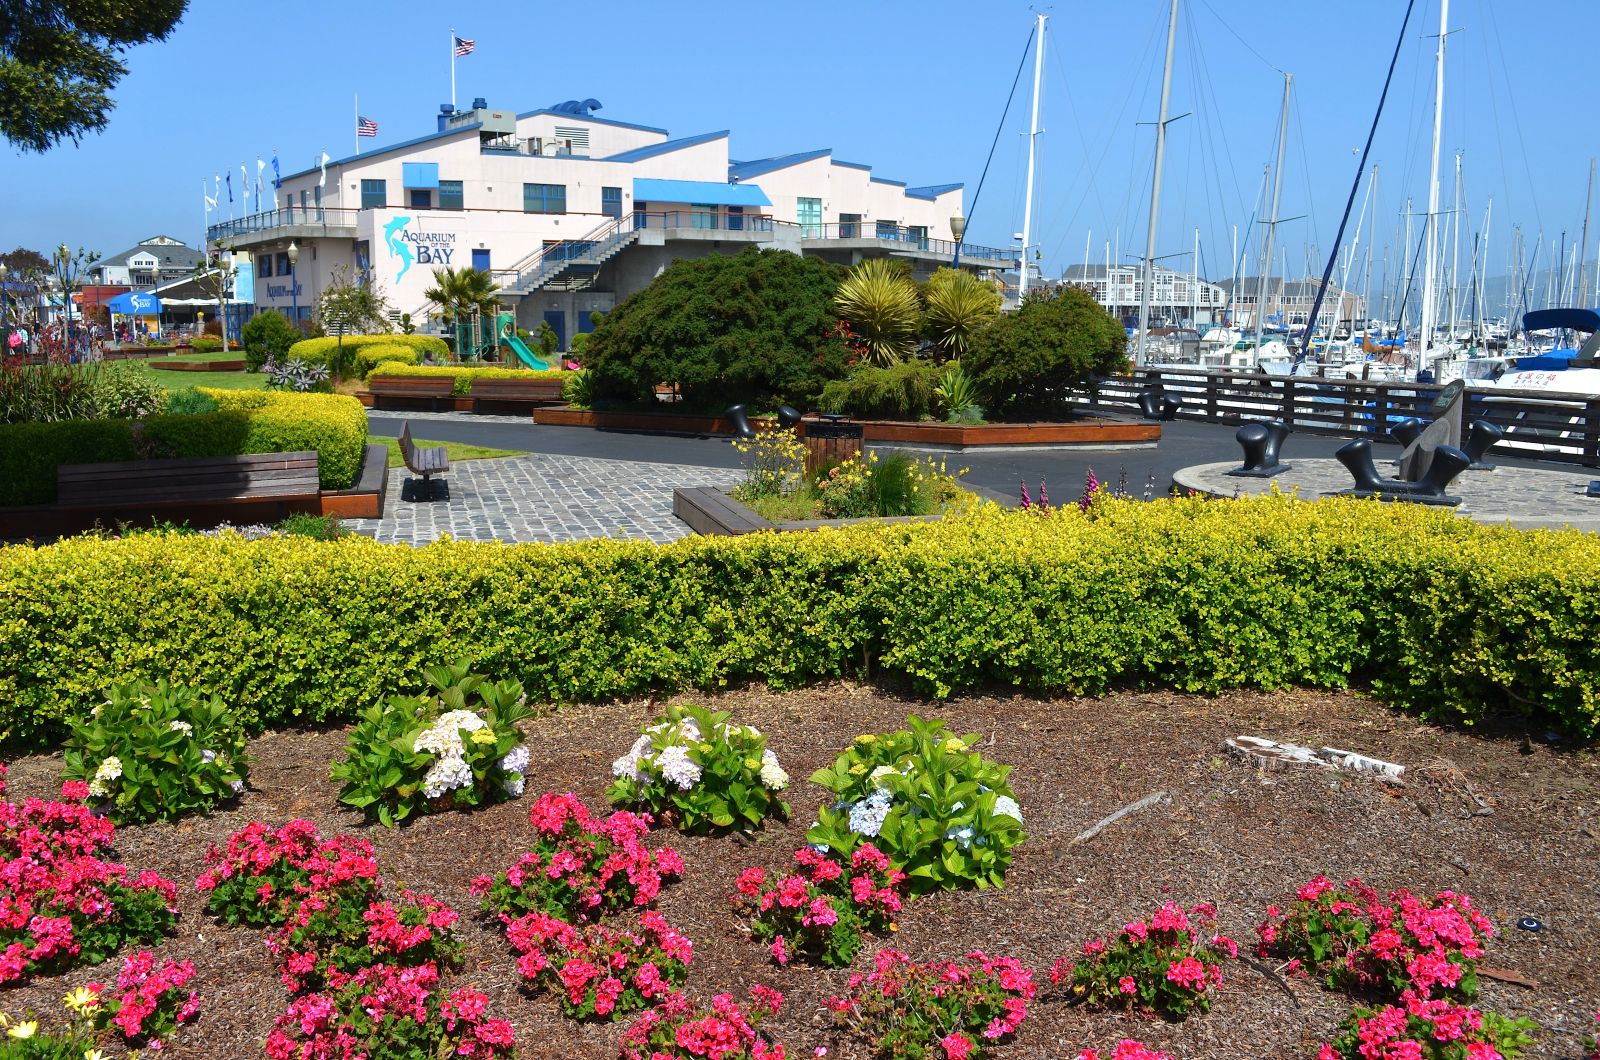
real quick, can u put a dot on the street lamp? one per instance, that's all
(958, 228)
(294, 282)
(64, 274)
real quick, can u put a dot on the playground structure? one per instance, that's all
(478, 340)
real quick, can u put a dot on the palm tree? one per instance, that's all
(880, 302)
(457, 291)
(959, 306)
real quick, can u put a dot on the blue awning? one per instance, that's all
(1584, 320)
(422, 175)
(698, 192)
(134, 304)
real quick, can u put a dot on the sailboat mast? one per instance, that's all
(1455, 250)
(1033, 140)
(1432, 265)
(1272, 223)
(1583, 240)
(1155, 188)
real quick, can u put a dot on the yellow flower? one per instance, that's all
(81, 999)
(752, 763)
(23, 1030)
(857, 769)
(866, 737)
(954, 744)
(482, 736)
(93, 1054)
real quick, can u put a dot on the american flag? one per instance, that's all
(366, 126)
(464, 46)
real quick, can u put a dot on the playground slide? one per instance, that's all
(525, 355)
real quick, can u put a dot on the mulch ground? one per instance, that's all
(1230, 834)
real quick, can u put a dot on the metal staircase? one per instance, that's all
(572, 264)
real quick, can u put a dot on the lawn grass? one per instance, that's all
(235, 354)
(455, 450)
(220, 380)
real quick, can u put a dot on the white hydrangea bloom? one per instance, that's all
(1006, 806)
(867, 816)
(237, 785)
(208, 756)
(515, 761)
(514, 783)
(441, 740)
(181, 726)
(772, 774)
(110, 768)
(877, 775)
(446, 774)
(97, 788)
(460, 719)
(962, 836)
(676, 766)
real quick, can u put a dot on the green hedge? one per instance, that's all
(465, 374)
(322, 349)
(1436, 614)
(384, 353)
(247, 421)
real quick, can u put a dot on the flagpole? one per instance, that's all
(452, 68)
(358, 123)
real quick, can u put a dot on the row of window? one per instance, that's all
(536, 198)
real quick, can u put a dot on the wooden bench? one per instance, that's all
(260, 486)
(521, 391)
(434, 388)
(708, 510)
(427, 462)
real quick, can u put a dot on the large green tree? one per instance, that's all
(1025, 362)
(757, 327)
(60, 59)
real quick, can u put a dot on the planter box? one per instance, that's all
(400, 403)
(1085, 433)
(203, 366)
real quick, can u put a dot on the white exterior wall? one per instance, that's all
(848, 189)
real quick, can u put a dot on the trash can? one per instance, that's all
(831, 440)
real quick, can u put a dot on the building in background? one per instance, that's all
(1176, 298)
(573, 212)
(155, 261)
(1288, 304)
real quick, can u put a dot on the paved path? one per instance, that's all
(542, 497)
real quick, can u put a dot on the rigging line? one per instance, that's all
(1215, 132)
(1355, 185)
(1092, 186)
(1240, 39)
(1305, 172)
(1014, 82)
(1511, 101)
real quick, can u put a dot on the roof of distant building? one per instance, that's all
(169, 253)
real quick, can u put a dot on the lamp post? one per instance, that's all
(5, 307)
(294, 282)
(64, 274)
(958, 228)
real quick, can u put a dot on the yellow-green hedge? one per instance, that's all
(322, 349)
(246, 421)
(1438, 615)
(384, 353)
(465, 374)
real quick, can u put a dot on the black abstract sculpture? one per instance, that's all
(1448, 462)
(741, 422)
(1156, 404)
(1261, 442)
(1481, 437)
(1407, 430)
(788, 417)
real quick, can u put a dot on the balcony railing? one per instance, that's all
(902, 236)
(708, 220)
(325, 216)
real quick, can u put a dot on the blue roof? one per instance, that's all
(385, 150)
(852, 165)
(746, 170)
(698, 191)
(886, 180)
(638, 154)
(933, 191)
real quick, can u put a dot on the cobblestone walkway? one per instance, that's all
(540, 497)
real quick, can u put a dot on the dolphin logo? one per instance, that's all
(397, 246)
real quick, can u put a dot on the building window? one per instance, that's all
(849, 225)
(264, 266)
(374, 194)
(544, 198)
(316, 194)
(919, 235)
(888, 230)
(611, 202)
(641, 214)
(419, 198)
(283, 265)
(704, 215)
(450, 197)
(808, 212)
(303, 197)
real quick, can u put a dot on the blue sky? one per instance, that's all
(915, 89)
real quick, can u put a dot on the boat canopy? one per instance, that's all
(1584, 320)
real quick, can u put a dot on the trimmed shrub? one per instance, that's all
(267, 336)
(369, 357)
(247, 421)
(326, 349)
(1024, 362)
(1451, 619)
(31, 452)
(903, 391)
(752, 328)
(188, 402)
(206, 344)
(465, 374)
